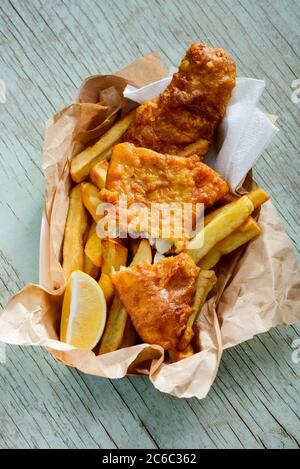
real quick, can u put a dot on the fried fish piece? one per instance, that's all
(159, 298)
(187, 113)
(147, 177)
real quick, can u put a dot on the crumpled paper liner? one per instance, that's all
(258, 286)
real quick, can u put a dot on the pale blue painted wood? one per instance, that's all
(47, 49)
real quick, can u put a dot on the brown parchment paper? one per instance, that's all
(258, 286)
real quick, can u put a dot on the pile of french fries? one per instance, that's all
(226, 227)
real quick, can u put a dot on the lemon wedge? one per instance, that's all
(83, 313)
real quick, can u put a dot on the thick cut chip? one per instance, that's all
(75, 231)
(98, 174)
(158, 298)
(83, 162)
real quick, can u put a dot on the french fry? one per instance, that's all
(223, 209)
(88, 266)
(129, 336)
(107, 287)
(98, 174)
(114, 255)
(115, 326)
(75, 231)
(200, 147)
(93, 249)
(205, 282)
(105, 156)
(223, 221)
(244, 233)
(229, 218)
(83, 162)
(176, 356)
(89, 193)
(143, 253)
(211, 215)
(258, 197)
(81, 174)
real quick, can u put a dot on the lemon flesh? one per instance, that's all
(83, 313)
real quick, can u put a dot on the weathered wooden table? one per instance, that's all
(47, 49)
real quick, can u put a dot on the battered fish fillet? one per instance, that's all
(158, 298)
(145, 176)
(184, 118)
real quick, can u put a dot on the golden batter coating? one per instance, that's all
(191, 107)
(158, 298)
(146, 176)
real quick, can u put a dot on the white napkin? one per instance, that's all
(244, 133)
(148, 92)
